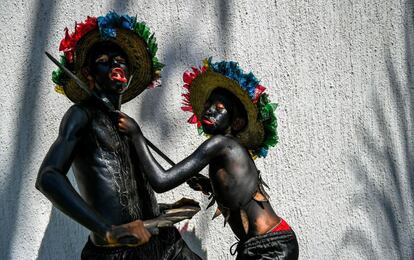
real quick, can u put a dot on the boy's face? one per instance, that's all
(110, 70)
(216, 118)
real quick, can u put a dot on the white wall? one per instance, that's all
(341, 71)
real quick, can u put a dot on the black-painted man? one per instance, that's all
(115, 197)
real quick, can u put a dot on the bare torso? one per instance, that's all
(235, 182)
(108, 179)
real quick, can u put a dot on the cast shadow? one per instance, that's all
(25, 128)
(388, 204)
(192, 240)
(63, 236)
(151, 106)
(223, 7)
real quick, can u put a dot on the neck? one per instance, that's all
(228, 132)
(114, 98)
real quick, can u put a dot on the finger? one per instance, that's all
(119, 231)
(142, 239)
(196, 187)
(190, 181)
(146, 235)
(118, 234)
(128, 239)
(193, 180)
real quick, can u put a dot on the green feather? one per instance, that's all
(58, 77)
(268, 118)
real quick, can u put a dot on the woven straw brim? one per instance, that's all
(201, 88)
(138, 56)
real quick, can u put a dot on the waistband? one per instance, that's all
(282, 231)
(282, 226)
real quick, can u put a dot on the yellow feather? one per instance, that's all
(59, 89)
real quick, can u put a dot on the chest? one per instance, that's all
(103, 133)
(233, 183)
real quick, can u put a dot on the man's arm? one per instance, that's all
(163, 180)
(53, 182)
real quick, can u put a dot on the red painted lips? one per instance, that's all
(207, 121)
(119, 75)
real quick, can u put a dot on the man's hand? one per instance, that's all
(130, 234)
(127, 125)
(200, 183)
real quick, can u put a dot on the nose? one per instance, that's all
(115, 63)
(210, 111)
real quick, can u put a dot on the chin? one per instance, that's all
(208, 129)
(212, 130)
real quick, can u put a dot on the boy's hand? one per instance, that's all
(130, 234)
(200, 183)
(127, 125)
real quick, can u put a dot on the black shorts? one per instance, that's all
(167, 245)
(281, 245)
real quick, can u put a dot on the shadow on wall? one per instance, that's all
(154, 104)
(193, 242)
(63, 236)
(223, 7)
(25, 127)
(152, 107)
(390, 209)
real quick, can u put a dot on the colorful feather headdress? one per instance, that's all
(132, 36)
(260, 133)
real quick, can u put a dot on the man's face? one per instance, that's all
(215, 117)
(110, 70)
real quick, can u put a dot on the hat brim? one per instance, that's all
(205, 83)
(139, 58)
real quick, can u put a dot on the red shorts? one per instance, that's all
(282, 226)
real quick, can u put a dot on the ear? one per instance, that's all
(86, 73)
(238, 124)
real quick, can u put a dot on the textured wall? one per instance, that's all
(341, 71)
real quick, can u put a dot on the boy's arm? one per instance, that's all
(163, 180)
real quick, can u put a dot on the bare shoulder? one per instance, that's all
(75, 119)
(217, 141)
(220, 143)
